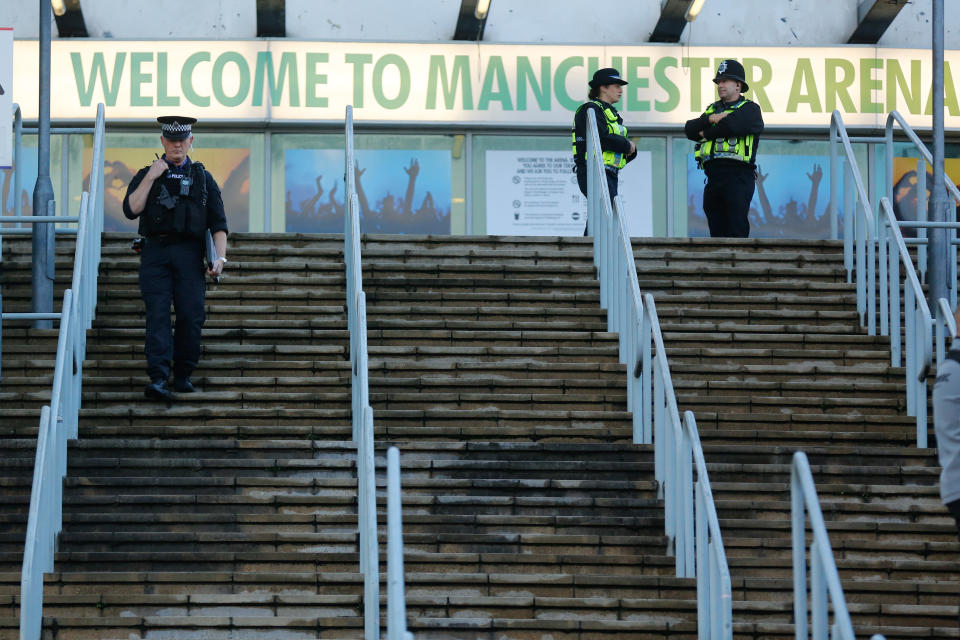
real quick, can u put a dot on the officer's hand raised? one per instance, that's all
(157, 169)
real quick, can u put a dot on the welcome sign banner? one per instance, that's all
(282, 81)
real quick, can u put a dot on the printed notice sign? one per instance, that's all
(535, 193)
(6, 97)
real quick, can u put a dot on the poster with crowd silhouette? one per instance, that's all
(398, 191)
(791, 199)
(905, 185)
(230, 167)
(8, 197)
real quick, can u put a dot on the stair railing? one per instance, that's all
(921, 223)
(396, 600)
(362, 413)
(59, 420)
(945, 320)
(690, 520)
(916, 314)
(892, 254)
(825, 587)
(858, 238)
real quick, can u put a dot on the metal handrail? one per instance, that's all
(362, 413)
(926, 157)
(690, 521)
(824, 578)
(916, 313)
(945, 319)
(59, 420)
(17, 157)
(859, 237)
(396, 600)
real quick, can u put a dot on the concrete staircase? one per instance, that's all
(528, 512)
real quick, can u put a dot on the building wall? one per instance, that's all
(722, 22)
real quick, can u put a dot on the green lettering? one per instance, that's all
(897, 81)
(757, 81)
(560, 82)
(495, 75)
(868, 83)
(163, 98)
(459, 77)
(186, 79)
(665, 83)
(110, 90)
(243, 71)
(593, 64)
(139, 78)
(637, 82)
(403, 93)
(540, 89)
(264, 72)
(313, 79)
(949, 93)
(358, 60)
(804, 88)
(838, 88)
(696, 65)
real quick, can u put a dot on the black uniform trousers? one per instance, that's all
(727, 196)
(172, 270)
(613, 180)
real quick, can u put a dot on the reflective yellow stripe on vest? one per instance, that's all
(613, 159)
(732, 148)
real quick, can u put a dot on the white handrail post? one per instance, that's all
(922, 217)
(371, 578)
(825, 586)
(834, 184)
(396, 602)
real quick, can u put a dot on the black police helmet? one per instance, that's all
(606, 76)
(733, 70)
(176, 127)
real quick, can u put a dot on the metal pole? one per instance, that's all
(938, 195)
(43, 233)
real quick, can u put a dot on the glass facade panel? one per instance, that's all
(234, 160)
(903, 187)
(27, 163)
(552, 199)
(405, 183)
(792, 198)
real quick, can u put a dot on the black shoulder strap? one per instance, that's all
(200, 173)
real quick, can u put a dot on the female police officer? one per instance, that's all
(606, 87)
(176, 201)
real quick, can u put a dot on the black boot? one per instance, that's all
(158, 390)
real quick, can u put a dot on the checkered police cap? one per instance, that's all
(176, 127)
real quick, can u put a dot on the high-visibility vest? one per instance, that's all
(743, 148)
(614, 159)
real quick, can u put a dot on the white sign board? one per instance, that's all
(472, 83)
(535, 193)
(6, 97)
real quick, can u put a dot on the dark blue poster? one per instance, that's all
(791, 199)
(398, 191)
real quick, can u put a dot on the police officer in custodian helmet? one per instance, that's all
(176, 200)
(727, 135)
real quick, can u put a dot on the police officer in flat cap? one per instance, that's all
(177, 201)
(727, 136)
(606, 87)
